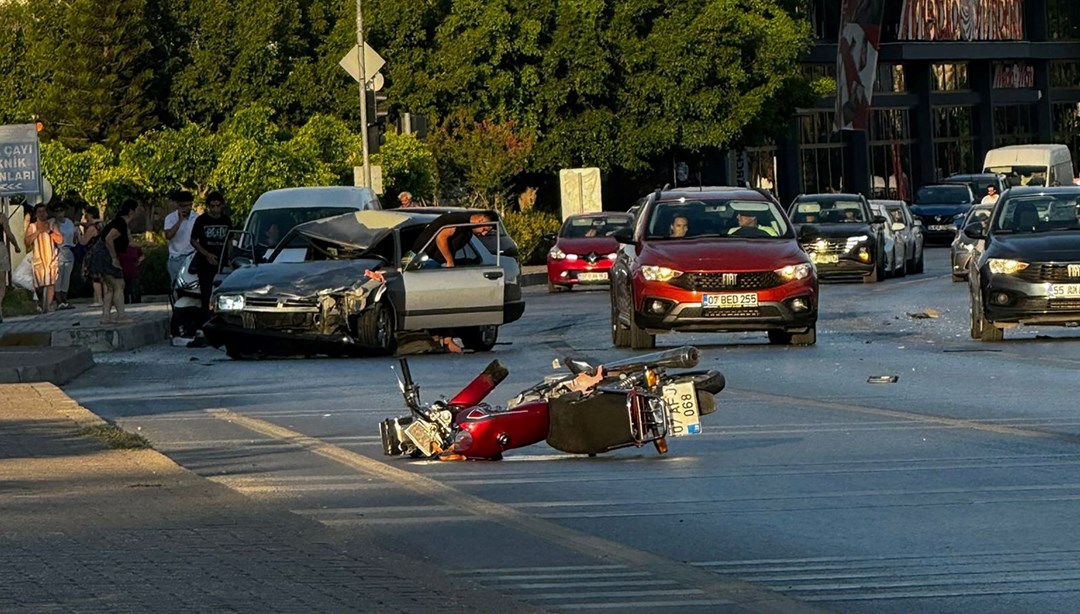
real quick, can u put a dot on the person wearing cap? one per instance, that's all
(178, 225)
(748, 226)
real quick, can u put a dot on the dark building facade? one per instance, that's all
(955, 78)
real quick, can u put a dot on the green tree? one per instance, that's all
(478, 160)
(92, 76)
(166, 160)
(14, 71)
(408, 165)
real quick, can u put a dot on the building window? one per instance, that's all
(1067, 129)
(950, 77)
(1065, 73)
(954, 141)
(820, 153)
(825, 19)
(890, 78)
(1062, 20)
(1013, 125)
(890, 153)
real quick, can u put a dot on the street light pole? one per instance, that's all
(363, 91)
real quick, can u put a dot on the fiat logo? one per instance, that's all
(730, 279)
(1074, 270)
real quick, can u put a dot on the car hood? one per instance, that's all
(586, 245)
(1037, 247)
(300, 279)
(931, 209)
(727, 254)
(837, 231)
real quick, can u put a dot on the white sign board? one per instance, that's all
(373, 62)
(579, 190)
(376, 178)
(20, 164)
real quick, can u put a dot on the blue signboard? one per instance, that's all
(20, 164)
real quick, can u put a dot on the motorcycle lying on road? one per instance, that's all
(589, 410)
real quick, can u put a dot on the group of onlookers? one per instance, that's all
(105, 254)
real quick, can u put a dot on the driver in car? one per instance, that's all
(748, 225)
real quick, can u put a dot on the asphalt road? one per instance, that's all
(952, 490)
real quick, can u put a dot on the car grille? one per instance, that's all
(267, 301)
(831, 246)
(731, 313)
(281, 322)
(707, 282)
(1043, 304)
(1056, 273)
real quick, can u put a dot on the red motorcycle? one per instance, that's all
(589, 410)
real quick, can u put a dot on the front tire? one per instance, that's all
(807, 338)
(620, 337)
(639, 338)
(981, 328)
(377, 328)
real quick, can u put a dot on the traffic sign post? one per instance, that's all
(20, 160)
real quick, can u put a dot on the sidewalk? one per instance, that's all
(88, 529)
(56, 347)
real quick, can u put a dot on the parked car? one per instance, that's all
(964, 248)
(584, 250)
(978, 182)
(1029, 271)
(357, 286)
(842, 236)
(894, 246)
(938, 206)
(909, 230)
(738, 267)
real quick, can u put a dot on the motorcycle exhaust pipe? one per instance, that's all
(684, 357)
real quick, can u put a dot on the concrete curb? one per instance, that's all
(42, 364)
(533, 279)
(128, 337)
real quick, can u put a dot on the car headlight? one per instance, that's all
(230, 302)
(795, 271)
(571, 257)
(857, 239)
(659, 273)
(1004, 266)
(556, 253)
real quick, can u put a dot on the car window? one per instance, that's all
(1029, 213)
(828, 211)
(692, 219)
(268, 226)
(896, 214)
(943, 195)
(593, 226)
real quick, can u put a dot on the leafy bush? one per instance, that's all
(153, 272)
(527, 228)
(407, 165)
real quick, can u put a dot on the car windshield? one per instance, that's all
(1022, 175)
(978, 185)
(1028, 213)
(828, 211)
(943, 195)
(268, 226)
(686, 218)
(896, 214)
(578, 227)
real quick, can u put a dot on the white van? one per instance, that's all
(1031, 164)
(276, 212)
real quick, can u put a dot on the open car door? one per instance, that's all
(469, 294)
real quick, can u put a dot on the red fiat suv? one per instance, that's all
(716, 260)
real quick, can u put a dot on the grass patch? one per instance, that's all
(19, 302)
(116, 437)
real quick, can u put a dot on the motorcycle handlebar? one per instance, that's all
(684, 357)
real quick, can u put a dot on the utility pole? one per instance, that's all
(363, 90)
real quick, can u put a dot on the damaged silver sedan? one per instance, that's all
(360, 288)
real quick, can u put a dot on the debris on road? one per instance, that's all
(925, 315)
(883, 379)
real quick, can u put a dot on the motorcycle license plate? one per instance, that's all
(681, 399)
(730, 301)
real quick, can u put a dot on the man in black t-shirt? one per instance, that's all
(208, 235)
(449, 240)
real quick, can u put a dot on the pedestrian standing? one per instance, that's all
(104, 260)
(90, 234)
(7, 241)
(65, 256)
(42, 238)
(208, 235)
(178, 225)
(130, 260)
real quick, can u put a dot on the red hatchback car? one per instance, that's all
(584, 249)
(715, 260)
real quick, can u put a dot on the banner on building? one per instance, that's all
(1013, 76)
(962, 20)
(856, 62)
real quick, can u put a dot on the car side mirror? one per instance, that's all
(240, 261)
(898, 226)
(549, 237)
(879, 219)
(975, 230)
(624, 235)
